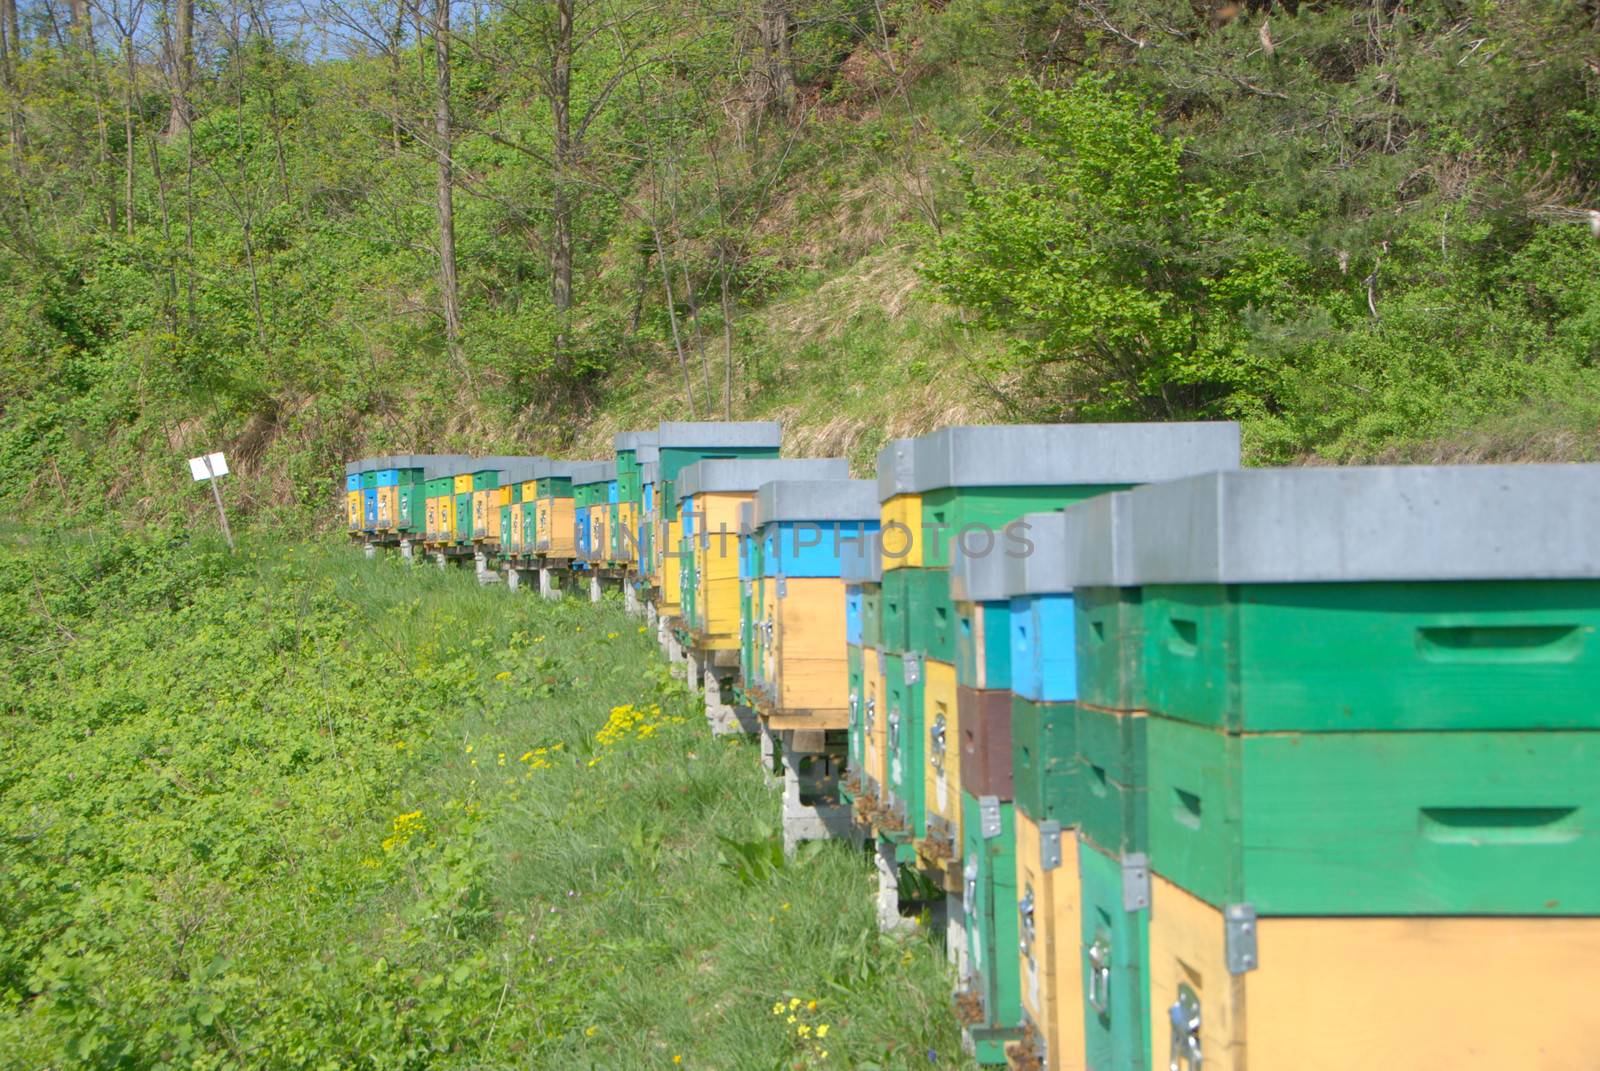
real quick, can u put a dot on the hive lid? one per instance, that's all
(1037, 563)
(592, 472)
(1042, 455)
(897, 469)
(688, 434)
(1399, 523)
(632, 440)
(722, 475)
(861, 560)
(352, 468)
(816, 500)
(647, 472)
(647, 453)
(1102, 553)
(978, 567)
(437, 465)
(747, 514)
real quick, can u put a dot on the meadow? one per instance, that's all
(294, 809)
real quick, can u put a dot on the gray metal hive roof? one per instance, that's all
(1491, 522)
(897, 469)
(1062, 454)
(746, 474)
(756, 433)
(816, 500)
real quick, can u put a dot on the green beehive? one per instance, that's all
(1044, 760)
(857, 743)
(976, 482)
(681, 444)
(1337, 600)
(989, 860)
(1115, 919)
(931, 624)
(894, 623)
(906, 739)
(872, 616)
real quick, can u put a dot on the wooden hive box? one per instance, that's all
(900, 506)
(352, 495)
(461, 505)
(906, 744)
(1049, 929)
(369, 495)
(1114, 909)
(710, 493)
(807, 530)
(993, 1003)
(388, 493)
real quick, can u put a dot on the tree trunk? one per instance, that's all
(777, 55)
(10, 40)
(78, 11)
(561, 202)
(127, 130)
(672, 314)
(448, 286)
(727, 333)
(182, 67)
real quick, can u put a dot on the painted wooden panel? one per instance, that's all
(1109, 632)
(852, 614)
(1347, 657)
(874, 739)
(1113, 770)
(352, 510)
(900, 541)
(388, 506)
(871, 615)
(1044, 759)
(989, 874)
(907, 738)
(985, 719)
(463, 517)
(1331, 994)
(1114, 966)
(856, 746)
(1458, 823)
(1048, 929)
(430, 528)
(1043, 650)
(810, 649)
(983, 644)
(932, 624)
(369, 508)
(942, 751)
(670, 598)
(895, 619)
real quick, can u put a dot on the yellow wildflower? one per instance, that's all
(794, 1002)
(790, 1020)
(526, 755)
(803, 1030)
(503, 675)
(777, 1009)
(677, 1059)
(822, 1030)
(811, 1005)
(612, 635)
(589, 1031)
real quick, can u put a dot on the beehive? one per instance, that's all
(680, 444)
(1048, 926)
(649, 570)
(861, 570)
(415, 472)
(633, 448)
(710, 493)
(1395, 766)
(461, 501)
(806, 529)
(352, 495)
(555, 513)
(369, 494)
(900, 509)
(983, 669)
(387, 497)
(989, 898)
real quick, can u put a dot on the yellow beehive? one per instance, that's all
(875, 715)
(1457, 994)
(1049, 906)
(556, 523)
(716, 551)
(600, 532)
(499, 498)
(627, 536)
(463, 483)
(942, 754)
(388, 507)
(447, 517)
(515, 540)
(671, 586)
(352, 507)
(810, 672)
(900, 537)
(430, 528)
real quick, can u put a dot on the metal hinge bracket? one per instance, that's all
(1049, 845)
(783, 587)
(913, 665)
(1239, 922)
(1135, 881)
(989, 816)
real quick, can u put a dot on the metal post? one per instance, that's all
(217, 495)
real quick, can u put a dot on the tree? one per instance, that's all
(449, 295)
(1118, 282)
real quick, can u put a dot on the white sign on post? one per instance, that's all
(206, 466)
(209, 467)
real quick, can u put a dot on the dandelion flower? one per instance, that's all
(811, 1005)
(677, 1059)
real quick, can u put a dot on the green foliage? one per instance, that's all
(1121, 281)
(291, 809)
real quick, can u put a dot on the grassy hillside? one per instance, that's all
(294, 810)
(1360, 229)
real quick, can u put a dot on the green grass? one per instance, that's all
(295, 809)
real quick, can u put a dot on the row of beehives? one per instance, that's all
(1218, 767)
